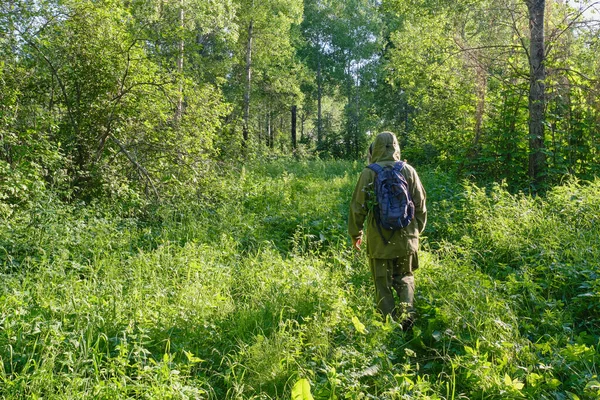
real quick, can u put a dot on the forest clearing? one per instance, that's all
(176, 179)
(245, 298)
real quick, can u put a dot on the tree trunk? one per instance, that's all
(481, 88)
(294, 113)
(269, 131)
(537, 158)
(281, 123)
(303, 118)
(474, 59)
(319, 96)
(351, 116)
(248, 80)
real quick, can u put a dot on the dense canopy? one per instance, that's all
(107, 97)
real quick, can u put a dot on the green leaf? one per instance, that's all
(534, 379)
(513, 383)
(301, 390)
(192, 358)
(359, 326)
(573, 396)
(518, 384)
(592, 385)
(553, 383)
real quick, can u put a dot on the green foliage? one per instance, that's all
(239, 282)
(253, 292)
(535, 253)
(117, 99)
(89, 97)
(460, 71)
(301, 390)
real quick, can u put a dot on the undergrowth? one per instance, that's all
(253, 287)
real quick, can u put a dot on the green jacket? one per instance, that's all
(405, 241)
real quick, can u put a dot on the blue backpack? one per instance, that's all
(394, 209)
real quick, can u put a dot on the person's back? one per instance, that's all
(392, 254)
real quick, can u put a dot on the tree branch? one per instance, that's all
(58, 79)
(521, 38)
(556, 34)
(140, 169)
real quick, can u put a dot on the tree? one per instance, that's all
(342, 39)
(265, 41)
(110, 78)
(537, 103)
(483, 82)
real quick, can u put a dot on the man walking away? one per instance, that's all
(392, 248)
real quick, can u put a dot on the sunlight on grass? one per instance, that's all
(261, 297)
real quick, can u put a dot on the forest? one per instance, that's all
(175, 179)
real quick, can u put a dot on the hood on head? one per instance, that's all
(385, 148)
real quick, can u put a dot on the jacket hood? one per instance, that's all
(385, 148)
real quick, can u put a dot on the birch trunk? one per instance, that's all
(248, 80)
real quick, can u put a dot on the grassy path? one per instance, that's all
(243, 296)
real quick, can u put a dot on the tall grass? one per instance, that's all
(242, 296)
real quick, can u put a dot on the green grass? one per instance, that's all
(253, 286)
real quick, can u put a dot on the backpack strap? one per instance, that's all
(399, 166)
(375, 168)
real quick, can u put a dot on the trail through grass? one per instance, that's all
(245, 295)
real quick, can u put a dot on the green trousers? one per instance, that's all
(395, 275)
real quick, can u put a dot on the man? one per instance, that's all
(392, 260)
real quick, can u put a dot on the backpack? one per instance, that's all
(394, 209)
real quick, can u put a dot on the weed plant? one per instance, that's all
(252, 288)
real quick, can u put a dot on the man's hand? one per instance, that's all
(356, 243)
